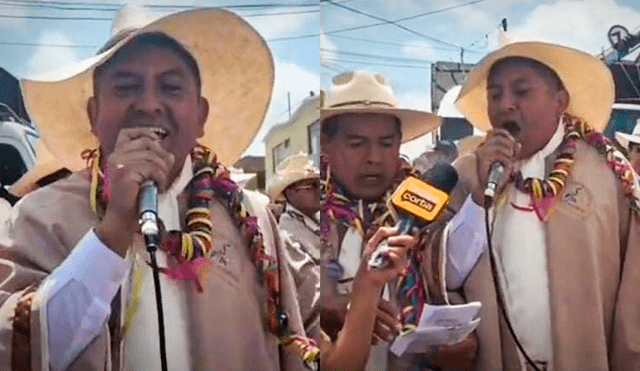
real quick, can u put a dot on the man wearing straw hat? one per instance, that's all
(362, 128)
(297, 182)
(564, 220)
(157, 101)
(631, 143)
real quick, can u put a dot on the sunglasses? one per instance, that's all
(303, 186)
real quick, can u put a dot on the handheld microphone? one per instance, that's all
(148, 211)
(418, 201)
(496, 172)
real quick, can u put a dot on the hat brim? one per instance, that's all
(587, 79)
(625, 139)
(414, 123)
(237, 74)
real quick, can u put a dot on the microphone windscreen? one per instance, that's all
(442, 176)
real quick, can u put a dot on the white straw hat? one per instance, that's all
(291, 170)
(586, 78)
(624, 139)
(236, 69)
(360, 92)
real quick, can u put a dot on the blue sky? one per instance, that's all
(29, 45)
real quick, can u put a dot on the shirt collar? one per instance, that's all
(183, 179)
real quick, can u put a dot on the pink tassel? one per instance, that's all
(189, 271)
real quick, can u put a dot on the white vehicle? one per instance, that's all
(18, 140)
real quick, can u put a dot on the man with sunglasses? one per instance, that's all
(297, 182)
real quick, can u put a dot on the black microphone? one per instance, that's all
(418, 201)
(148, 211)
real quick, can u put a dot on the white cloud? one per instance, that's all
(471, 17)
(420, 50)
(46, 58)
(283, 25)
(290, 78)
(579, 24)
(416, 99)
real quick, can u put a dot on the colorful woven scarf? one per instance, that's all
(543, 192)
(191, 248)
(366, 218)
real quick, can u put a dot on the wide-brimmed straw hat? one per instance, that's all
(361, 92)
(236, 68)
(45, 166)
(290, 171)
(586, 78)
(625, 139)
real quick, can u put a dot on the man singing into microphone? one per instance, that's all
(361, 132)
(564, 220)
(77, 292)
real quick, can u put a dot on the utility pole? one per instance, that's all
(289, 100)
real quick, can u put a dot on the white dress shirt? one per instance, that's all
(520, 248)
(81, 292)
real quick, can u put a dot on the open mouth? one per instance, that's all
(512, 127)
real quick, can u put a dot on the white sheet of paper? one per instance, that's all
(439, 325)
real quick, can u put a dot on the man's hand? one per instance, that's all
(499, 146)
(459, 356)
(137, 157)
(387, 316)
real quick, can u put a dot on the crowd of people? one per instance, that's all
(552, 254)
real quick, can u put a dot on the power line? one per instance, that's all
(397, 44)
(401, 19)
(48, 45)
(395, 23)
(49, 4)
(366, 55)
(332, 59)
(55, 18)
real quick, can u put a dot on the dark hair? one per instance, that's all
(138, 44)
(542, 69)
(331, 125)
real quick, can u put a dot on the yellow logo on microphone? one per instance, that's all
(419, 199)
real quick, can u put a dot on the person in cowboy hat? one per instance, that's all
(77, 292)
(297, 182)
(631, 143)
(361, 131)
(564, 221)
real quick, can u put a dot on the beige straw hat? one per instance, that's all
(236, 68)
(469, 144)
(361, 92)
(291, 170)
(586, 78)
(624, 139)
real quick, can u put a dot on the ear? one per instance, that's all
(92, 112)
(563, 102)
(203, 113)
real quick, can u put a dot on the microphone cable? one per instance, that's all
(496, 284)
(151, 241)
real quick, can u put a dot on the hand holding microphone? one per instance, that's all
(136, 159)
(494, 163)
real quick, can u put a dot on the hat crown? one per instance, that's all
(299, 163)
(130, 17)
(360, 89)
